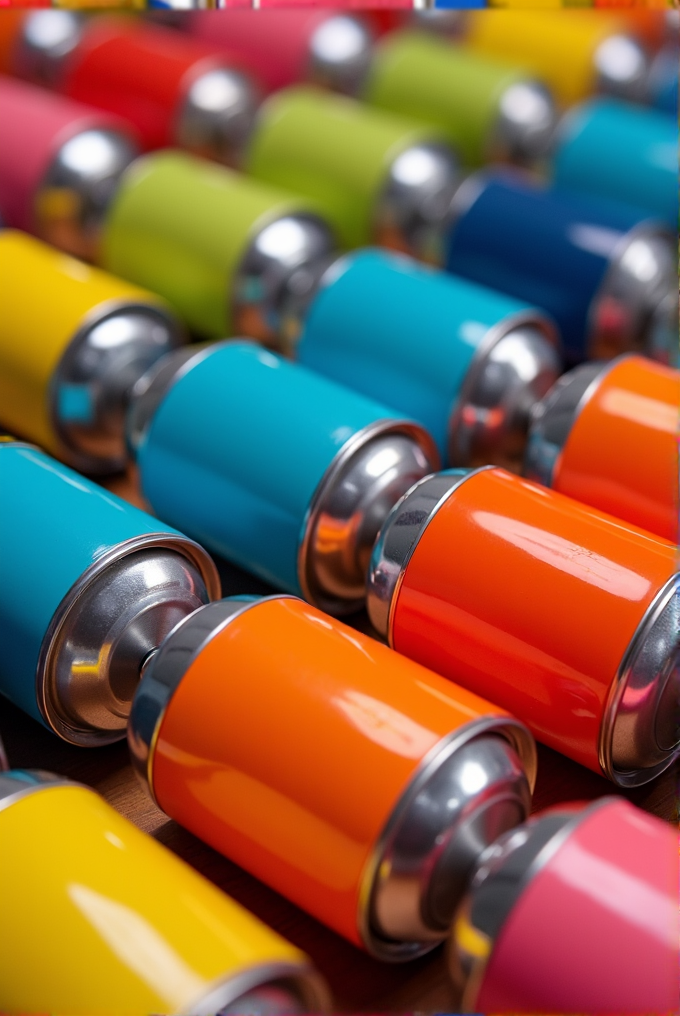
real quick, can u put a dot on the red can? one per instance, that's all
(607, 434)
(561, 614)
(175, 90)
(574, 912)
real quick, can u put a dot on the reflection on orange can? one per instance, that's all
(350, 779)
(607, 434)
(98, 918)
(560, 613)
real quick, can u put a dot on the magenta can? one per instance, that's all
(60, 162)
(576, 911)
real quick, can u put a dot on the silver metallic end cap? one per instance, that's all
(503, 872)
(516, 364)
(217, 113)
(151, 388)
(91, 386)
(635, 308)
(622, 67)
(72, 202)
(367, 477)
(270, 989)
(474, 787)
(17, 783)
(397, 540)
(340, 53)
(553, 418)
(440, 21)
(105, 628)
(525, 124)
(640, 734)
(414, 208)
(47, 38)
(278, 276)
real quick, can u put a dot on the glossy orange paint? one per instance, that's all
(530, 599)
(288, 743)
(622, 453)
(11, 23)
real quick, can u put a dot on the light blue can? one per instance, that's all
(89, 586)
(465, 361)
(272, 466)
(615, 150)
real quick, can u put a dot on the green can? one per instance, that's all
(488, 110)
(220, 247)
(379, 178)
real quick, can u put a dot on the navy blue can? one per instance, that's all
(604, 271)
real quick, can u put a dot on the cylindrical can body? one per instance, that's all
(620, 453)
(277, 47)
(335, 151)
(311, 736)
(551, 248)
(532, 600)
(56, 527)
(142, 73)
(180, 227)
(37, 332)
(127, 926)
(406, 334)
(36, 127)
(456, 90)
(240, 445)
(613, 149)
(594, 926)
(559, 47)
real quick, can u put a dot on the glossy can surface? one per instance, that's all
(35, 333)
(239, 446)
(612, 149)
(547, 246)
(455, 90)
(54, 525)
(277, 47)
(127, 926)
(598, 919)
(334, 150)
(532, 599)
(180, 227)
(622, 452)
(313, 733)
(403, 333)
(559, 47)
(35, 125)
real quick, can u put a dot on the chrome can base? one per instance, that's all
(46, 41)
(471, 788)
(111, 620)
(272, 989)
(340, 53)
(640, 732)
(217, 114)
(367, 477)
(525, 125)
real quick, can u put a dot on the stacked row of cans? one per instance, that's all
(385, 789)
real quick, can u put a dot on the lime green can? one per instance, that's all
(225, 251)
(380, 178)
(488, 110)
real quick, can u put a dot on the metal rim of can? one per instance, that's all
(52, 780)
(180, 544)
(85, 463)
(379, 428)
(518, 736)
(456, 480)
(142, 749)
(473, 980)
(648, 227)
(532, 318)
(306, 982)
(617, 689)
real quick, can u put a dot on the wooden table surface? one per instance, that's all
(358, 983)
